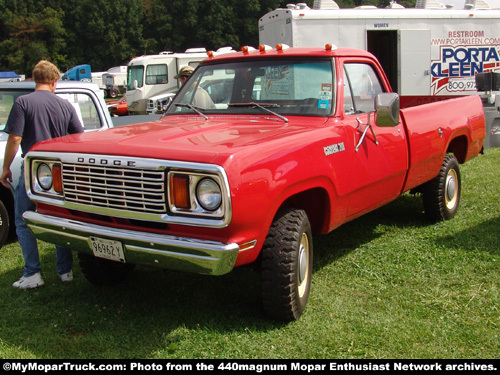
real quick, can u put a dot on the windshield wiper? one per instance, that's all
(261, 106)
(193, 108)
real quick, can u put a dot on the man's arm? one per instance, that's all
(10, 152)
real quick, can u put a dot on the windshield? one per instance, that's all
(134, 77)
(284, 87)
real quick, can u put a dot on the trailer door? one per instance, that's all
(384, 45)
(414, 51)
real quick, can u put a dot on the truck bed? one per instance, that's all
(433, 126)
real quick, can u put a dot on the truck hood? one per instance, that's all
(187, 138)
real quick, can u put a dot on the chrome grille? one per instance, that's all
(129, 189)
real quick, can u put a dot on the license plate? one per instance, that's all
(107, 249)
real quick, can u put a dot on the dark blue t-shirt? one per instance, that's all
(41, 115)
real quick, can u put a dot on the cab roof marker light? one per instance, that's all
(247, 49)
(264, 48)
(210, 54)
(282, 47)
(330, 47)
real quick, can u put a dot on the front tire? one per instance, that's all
(102, 271)
(286, 265)
(441, 195)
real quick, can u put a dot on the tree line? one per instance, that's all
(106, 33)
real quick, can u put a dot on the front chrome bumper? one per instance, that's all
(170, 252)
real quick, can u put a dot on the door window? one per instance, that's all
(85, 108)
(361, 86)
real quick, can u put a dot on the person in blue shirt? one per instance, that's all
(36, 117)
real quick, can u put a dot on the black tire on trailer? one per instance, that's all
(441, 195)
(286, 265)
(4, 224)
(102, 271)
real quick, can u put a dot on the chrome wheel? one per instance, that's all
(451, 189)
(303, 265)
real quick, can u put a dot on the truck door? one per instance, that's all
(379, 161)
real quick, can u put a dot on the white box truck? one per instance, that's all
(429, 53)
(152, 75)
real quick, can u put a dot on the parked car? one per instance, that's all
(157, 104)
(86, 97)
(118, 107)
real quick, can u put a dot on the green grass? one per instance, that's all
(387, 285)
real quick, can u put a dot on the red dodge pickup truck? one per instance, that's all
(258, 150)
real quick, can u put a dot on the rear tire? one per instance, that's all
(286, 265)
(102, 271)
(441, 195)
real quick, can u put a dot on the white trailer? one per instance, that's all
(97, 78)
(151, 75)
(115, 81)
(429, 53)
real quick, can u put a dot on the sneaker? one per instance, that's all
(65, 277)
(29, 282)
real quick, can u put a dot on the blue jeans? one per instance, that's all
(29, 246)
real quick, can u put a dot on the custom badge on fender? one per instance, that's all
(333, 149)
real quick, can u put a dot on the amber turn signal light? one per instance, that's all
(179, 191)
(57, 178)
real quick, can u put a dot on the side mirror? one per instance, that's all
(135, 84)
(387, 109)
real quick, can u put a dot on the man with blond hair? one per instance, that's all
(36, 117)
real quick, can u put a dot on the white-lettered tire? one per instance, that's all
(286, 265)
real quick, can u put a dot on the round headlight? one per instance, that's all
(209, 194)
(44, 176)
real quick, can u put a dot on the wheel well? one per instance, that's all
(458, 147)
(316, 204)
